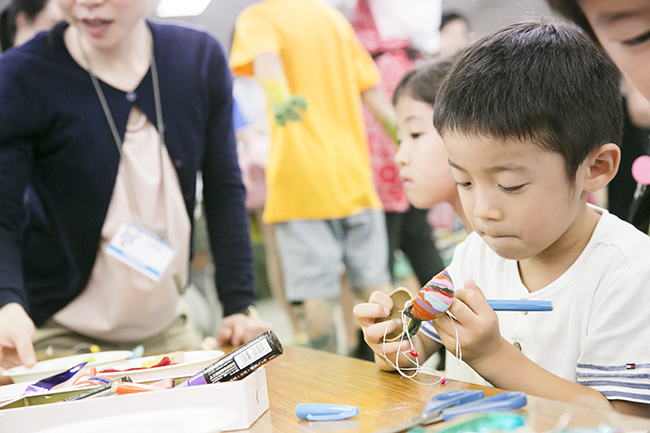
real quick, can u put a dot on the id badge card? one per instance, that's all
(141, 250)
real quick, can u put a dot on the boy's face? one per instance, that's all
(421, 157)
(515, 195)
(623, 29)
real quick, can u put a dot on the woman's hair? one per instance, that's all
(423, 82)
(31, 8)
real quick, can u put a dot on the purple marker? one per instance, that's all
(240, 362)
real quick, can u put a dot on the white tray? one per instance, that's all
(246, 399)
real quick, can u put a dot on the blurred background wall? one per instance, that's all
(484, 15)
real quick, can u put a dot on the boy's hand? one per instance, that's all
(285, 105)
(379, 306)
(16, 336)
(477, 325)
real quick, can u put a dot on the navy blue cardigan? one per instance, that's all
(55, 138)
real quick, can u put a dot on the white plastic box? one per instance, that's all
(247, 399)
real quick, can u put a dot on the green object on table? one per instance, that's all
(492, 422)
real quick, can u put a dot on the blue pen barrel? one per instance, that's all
(519, 305)
(325, 412)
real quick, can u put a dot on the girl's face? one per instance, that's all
(421, 157)
(104, 23)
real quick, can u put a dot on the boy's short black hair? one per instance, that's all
(423, 82)
(541, 82)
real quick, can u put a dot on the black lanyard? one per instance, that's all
(162, 233)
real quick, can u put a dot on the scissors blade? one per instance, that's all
(431, 412)
(424, 419)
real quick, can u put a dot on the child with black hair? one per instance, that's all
(529, 116)
(22, 19)
(421, 156)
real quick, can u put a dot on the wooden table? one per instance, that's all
(304, 375)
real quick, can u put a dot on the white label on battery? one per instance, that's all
(252, 354)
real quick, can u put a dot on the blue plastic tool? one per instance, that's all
(520, 305)
(445, 406)
(452, 398)
(325, 412)
(502, 401)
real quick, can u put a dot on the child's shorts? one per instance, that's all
(312, 253)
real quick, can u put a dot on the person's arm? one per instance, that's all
(227, 220)
(18, 124)
(269, 71)
(496, 360)
(382, 110)
(379, 306)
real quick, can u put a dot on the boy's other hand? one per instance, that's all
(379, 306)
(477, 325)
(16, 336)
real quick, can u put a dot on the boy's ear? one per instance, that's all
(602, 165)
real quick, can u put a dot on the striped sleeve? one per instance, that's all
(615, 355)
(618, 382)
(429, 331)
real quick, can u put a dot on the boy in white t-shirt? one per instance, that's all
(529, 116)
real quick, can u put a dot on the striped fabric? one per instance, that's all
(428, 330)
(618, 382)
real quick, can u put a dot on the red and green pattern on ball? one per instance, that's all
(433, 299)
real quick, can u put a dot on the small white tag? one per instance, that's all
(141, 250)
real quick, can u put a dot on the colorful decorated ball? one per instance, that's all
(433, 299)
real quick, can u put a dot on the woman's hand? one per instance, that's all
(240, 328)
(16, 338)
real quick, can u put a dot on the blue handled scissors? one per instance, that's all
(445, 406)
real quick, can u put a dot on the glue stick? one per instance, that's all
(240, 362)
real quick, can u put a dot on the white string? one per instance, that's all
(418, 367)
(459, 349)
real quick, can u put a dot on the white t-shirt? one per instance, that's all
(597, 334)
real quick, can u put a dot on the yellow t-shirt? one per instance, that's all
(318, 168)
